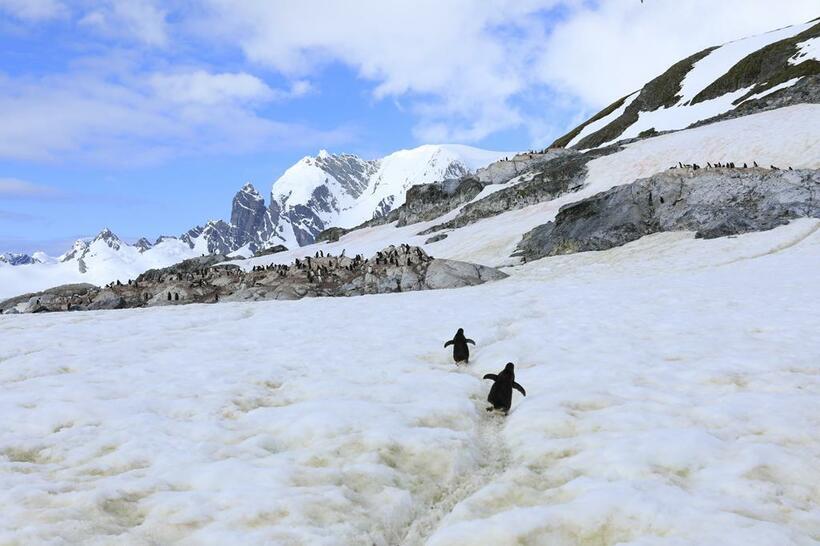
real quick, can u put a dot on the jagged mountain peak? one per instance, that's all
(249, 189)
(143, 244)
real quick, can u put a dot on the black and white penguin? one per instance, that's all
(461, 353)
(501, 392)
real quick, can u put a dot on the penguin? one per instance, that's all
(461, 353)
(501, 392)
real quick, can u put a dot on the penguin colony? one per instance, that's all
(317, 270)
(500, 396)
(730, 165)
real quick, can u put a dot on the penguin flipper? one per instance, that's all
(519, 388)
(491, 376)
(468, 340)
(448, 343)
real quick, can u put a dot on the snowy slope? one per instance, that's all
(685, 94)
(788, 136)
(673, 398)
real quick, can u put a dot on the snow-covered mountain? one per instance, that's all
(13, 258)
(314, 194)
(330, 190)
(345, 190)
(763, 72)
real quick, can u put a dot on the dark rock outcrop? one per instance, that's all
(276, 249)
(427, 201)
(712, 203)
(331, 235)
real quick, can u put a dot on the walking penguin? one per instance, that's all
(501, 392)
(461, 353)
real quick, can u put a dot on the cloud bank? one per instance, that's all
(158, 84)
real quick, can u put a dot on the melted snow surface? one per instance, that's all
(673, 398)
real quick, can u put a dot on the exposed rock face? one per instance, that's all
(549, 178)
(250, 219)
(272, 250)
(712, 203)
(427, 201)
(251, 224)
(209, 279)
(506, 169)
(143, 244)
(331, 235)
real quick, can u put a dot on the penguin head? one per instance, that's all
(509, 367)
(460, 332)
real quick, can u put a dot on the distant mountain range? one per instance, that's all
(315, 193)
(749, 76)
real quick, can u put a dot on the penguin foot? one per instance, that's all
(490, 408)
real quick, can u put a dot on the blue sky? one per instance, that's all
(147, 116)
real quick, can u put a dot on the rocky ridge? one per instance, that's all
(210, 279)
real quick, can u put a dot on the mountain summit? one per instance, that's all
(331, 190)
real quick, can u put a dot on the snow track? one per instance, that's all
(492, 459)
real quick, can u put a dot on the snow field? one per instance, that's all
(672, 399)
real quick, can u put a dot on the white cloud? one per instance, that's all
(140, 20)
(464, 69)
(603, 52)
(33, 10)
(119, 117)
(200, 87)
(459, 61)
(463, 65)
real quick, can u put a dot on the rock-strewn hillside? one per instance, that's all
(710, 202)
(207, 280)
(772, 70)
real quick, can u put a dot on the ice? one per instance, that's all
(673, 397)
